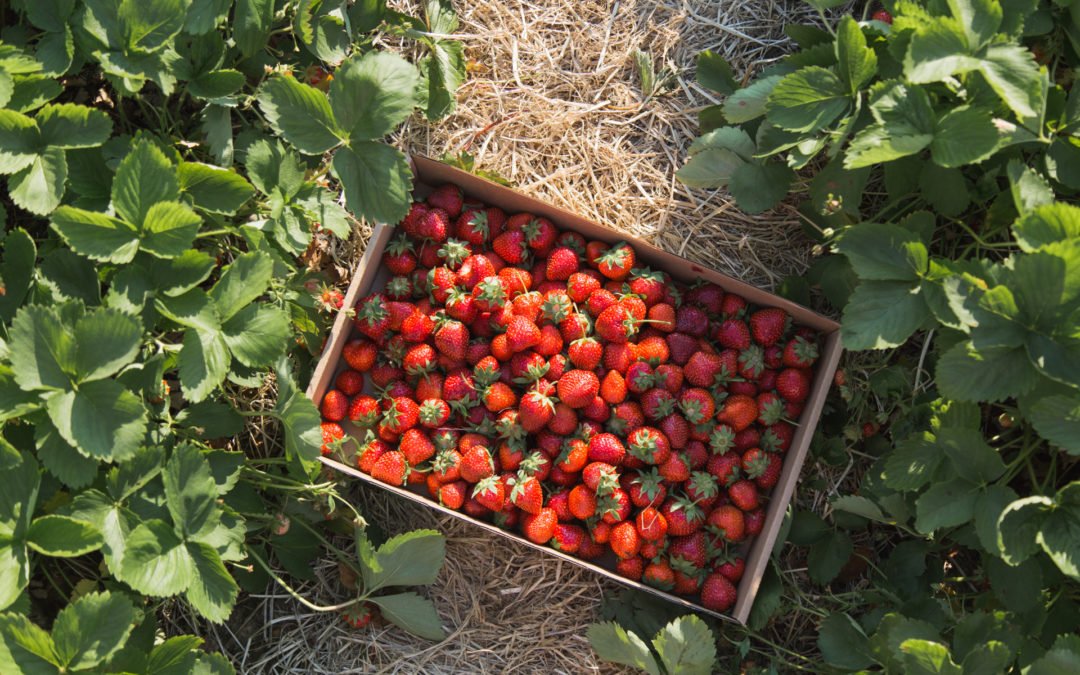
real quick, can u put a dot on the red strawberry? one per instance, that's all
(399, 257)
(731, 568)
(617, 261)
(649, 445)
(768, 325)
(675, 469)
(625, 541)
(491, 492)
(521, 334)
(793, 384)
(684, 517)
(412, 220)
(631, 568)
(349, 382)
(738, 412)
(882, 15)
(651, 524)
(726, 521)
(582, 502)
(770, 474)
(452, 495)
(580, 286)
(659, 575)
(360, 354)
(416, 446)
(717, 593)
(390, 468)
(359, 615)
(567, 538)
(527, 494)
(596, 473)
(646, 489)
(447, 465)
(577, 388)
(606, 448)
(799, 353)
(539, 528)
(511, 247)
(744, 494)
(613, 505)
(697, 405)
(562, 262)
(335, 405)
(476, 464)
(372, 316)
(615, 324)
(332, 433)
(434, 225)
(447, 197)
(754, 520)
(733, 334)
(688, 553)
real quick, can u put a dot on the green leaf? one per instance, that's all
(252, 22)
(33, 91)
(714, 73)
(92, 628)
(101, 418)
(991, 503)
(905, 125)
(39, 187)
(922, 657)
(759, 187)
(24, 647)
(1062, 659)
(980, 19)
(96, 235)
(749, 102)
(214, 189)
(709, 168)
(14, 573)
(882, 314)
(106, 340)
(270, 165)
(807, 100)
(73, 126)
(1029, 189)
(20, 141)
(176, 276)
(945, 189)
(258, 334)
(1019, 525)
(945, 504)
(298, 415)
(1017, 588)
(16, 270)
(155, 561)
(50, 15)
(1011, 70)
(190, 492)
(193, 308)
(860, 506)
(376, 179)
(828, 556)
(61, 459)
(216, 84)
(245, 279)
(884, 252)
(1055, 358)
(301, 114)
(173, 656)
(217, 125)
(412, 612)
(143, 178)
(1057, 419)
(169, 229)
(409, 559)
(70, 276)
(113, 521)
(1060, 538)
(912, 463)
(613, 643)
(56, 51)
(205, 15)
(989, 657)
(686, 645)
(443, 71)
(43, 352)
(971, 456)
(937, 51)
(62, 536)
(988, 374)
(150, 26)
(843, 643)
(212, 591)
(964, 135)
(204, 361)
(209, 420)
(1047, 224)
(857, 62)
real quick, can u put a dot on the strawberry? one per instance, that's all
(511, 247)
(402, 414)
(659, 575)
(683, 516)
(616, 262)
(744, 494)
(476, 464)
(539, 528)
(452, 495)
(651, 524)
(419, 359)
(577, 388)
(691, 320)
(646, 489)
(372, 316)
(540, 234)
(331, 299)
(364, 411)
(434, 412)
(751, 362)
(614, 504)
(390, 468)
(675, 469)
(567, 538)
(562, 262)
(332, 434)
(733, 334)
(491, 492)
(580, 286)
(799, 353)
(606, 448)
(447, 197)
(416, 446)
(649, 445)
(625, 541)
(768, 325)
(717, 593)
(631, 568)
(335, 405)
(527, 494)
(677, 430)
(732, 568)
(688, 553)
(777, 437)
(883, 16)
(770, 408)
(447, 464)
(738, 412)
(434, 225)
(733, 305)
(726, 522)
(522, 333)
(754, 520)
(613, 388)
(697, 405)
(412, 219)
(702, 369)
(399, 257)
(793, 384)
(349, 382)
(686, 584)
(359, 614)
(702, 489)
(360, 354)
(615, 324)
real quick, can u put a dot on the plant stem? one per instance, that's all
(299, 598)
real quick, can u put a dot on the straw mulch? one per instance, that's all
(553, 104)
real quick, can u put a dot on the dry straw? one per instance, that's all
(553, 103)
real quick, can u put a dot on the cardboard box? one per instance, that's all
(369, 275)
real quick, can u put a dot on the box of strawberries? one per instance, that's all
(553, 381)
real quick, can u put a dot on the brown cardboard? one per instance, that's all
(370, 275)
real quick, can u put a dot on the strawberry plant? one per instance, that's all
(933, 145)
(150, 285)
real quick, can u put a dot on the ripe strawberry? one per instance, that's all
(491, 492)
(683, 516)
(452, 495)
(402, 414)
(799, 353)
(527, 494)
(617, 261)
(562, 262)
(651, 524)
(434, 225)
(702, 489)
(649, 445)
(412, 219)
(793, 384)
(697, 405)
(498, 396)
(349, 382)
(332, 434)
(577, 388)
(615, 324)
(511, 247)
(358, 615)
(613, 504)
(539, 232)
(606, 448)
(613, 388)
(882, 15)
(416, 446)
(521, 334)
(731, 567)
(631, 568)
(726, 521)
(751, 362)
(360, 354)
(770, 474)
(768, 325)
(659, 575)
(579, 286)
(702, 369)
(625, 541)
(744, 494)
(646, 488)
(476, 464)
(688, 553)
(717, 593)
(447, 197)
(539, 528)
(335, 405)
(390, 468)
(733, 334)
(675, 469)
(677, 430)
(754, 520)
(419, 359)
(567, 538)
(447, 464)
(738, 412)
(399, 257)
(372, 316)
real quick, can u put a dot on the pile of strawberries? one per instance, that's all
(556, 387)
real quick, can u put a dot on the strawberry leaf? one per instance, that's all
(686, 645)
(39, 187)
(214, 189)
(376, 180)
(947, 503)
(62, 536)
(212, 591)
(828, 556)
(26, 647)
(92, 628)
(373, 94)
(922, 657)
(843, 643)
(155, 561)
(301, 114)
(409, 559)
(882, 314)
(412, 612)
(101, 418)
(613, 643)
(807, 100)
